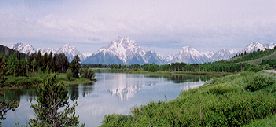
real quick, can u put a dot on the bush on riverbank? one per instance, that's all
(223, 102)
(88, 73)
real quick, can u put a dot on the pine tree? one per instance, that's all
(75, 66)
(52, 108)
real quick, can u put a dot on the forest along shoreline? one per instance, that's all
(19, 70)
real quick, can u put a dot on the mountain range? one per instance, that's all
(126, 51)
(67, 49)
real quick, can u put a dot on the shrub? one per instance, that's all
(117, 120)
(259, 82)
(88, 73)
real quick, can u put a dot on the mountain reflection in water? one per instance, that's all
(112, 93)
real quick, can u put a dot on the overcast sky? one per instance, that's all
(162, 25)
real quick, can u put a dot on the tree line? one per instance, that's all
(13, 63)
(221, 66)
(17, 65)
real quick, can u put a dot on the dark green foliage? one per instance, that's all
(220, 90)
(220, 103)
(48, 62)
(52, 108)
(219, 66)
(117, 120)
(151, 67)
(75, 66)
(12, 65)
(88, 73)
(271, 63)
(259, 82)
(21, 68)
(2, 69)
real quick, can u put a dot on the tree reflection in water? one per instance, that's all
(7, 103)
(52, 107)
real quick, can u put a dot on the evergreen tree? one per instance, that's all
(61, 62)
(52, 108)
(12, 65)
(75, 66)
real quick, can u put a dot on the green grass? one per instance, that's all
(267, 122)
(221, 102)
(61, 77)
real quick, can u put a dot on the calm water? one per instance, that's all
(112, 93)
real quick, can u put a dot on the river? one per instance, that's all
(112, 93)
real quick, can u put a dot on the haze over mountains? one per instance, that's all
(126, 51)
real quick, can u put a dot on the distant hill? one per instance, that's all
(267, 56)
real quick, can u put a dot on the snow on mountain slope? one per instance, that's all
(67, 49)
(23, 48)
(125, 51)
(223, 54)
(254, 46)
(190, 55)
(70, 52)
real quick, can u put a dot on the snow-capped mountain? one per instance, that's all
(254, 47)
(70, 52)
(126, 51)
(123, 51)
(193, 56)
(190, 55)
(223, 54)
(67, 49)
(24, 48)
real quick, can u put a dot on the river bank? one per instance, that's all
(35, 79)
(233, 100)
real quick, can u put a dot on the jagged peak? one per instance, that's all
(24, 48)
(188, 50)
(125, 42)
